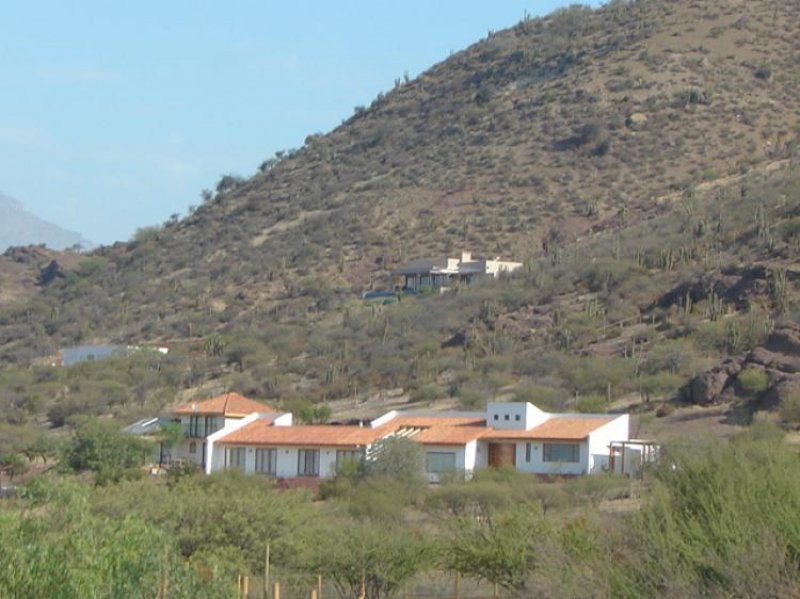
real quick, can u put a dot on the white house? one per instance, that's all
(439, 273)
(202, 419)
(515, 435)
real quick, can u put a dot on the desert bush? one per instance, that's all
(790, 408)
(712, 504)
(754, 381)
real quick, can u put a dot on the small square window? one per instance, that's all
(516, 417)
(496, 417)
(508, 417)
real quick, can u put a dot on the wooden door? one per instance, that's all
(502, 455)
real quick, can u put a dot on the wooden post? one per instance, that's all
(319, 586)
(496, 590)
(457, 586)
(266, 573)
(246, 587)
(276, 591)
(313, 593)
(363, 594)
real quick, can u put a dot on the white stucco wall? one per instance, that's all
(537, 465)
(616, 430)
(470, 457)
(285, 459)
(460, 452)
(181, 451)
(215, 454)
(514, 415)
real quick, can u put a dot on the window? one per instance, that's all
(202, 426)
(344, 456)
(235, 457)
(441, 461)
(527, 452)
(496, 417)
(507, 417)
(516, 417)
(308, 462)
(562, 452)
(192, 447)
(267, 461)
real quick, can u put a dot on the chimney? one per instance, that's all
(466, 256)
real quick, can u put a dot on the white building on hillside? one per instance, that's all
(439, 273)
(514, 435)
(200, 420)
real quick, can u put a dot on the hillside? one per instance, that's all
(19, 227)
(641, 160)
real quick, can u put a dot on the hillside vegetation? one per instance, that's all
(641, 160)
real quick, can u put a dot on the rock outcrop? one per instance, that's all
(779, 357)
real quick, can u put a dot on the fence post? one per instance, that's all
(246, 587)
(266, 573)
(457, 586)
(319, 586)
(276, 590)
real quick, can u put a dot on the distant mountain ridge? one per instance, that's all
(20, 227)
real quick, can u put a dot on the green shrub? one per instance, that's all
(754, 381)
(790, 408)
(591, 404)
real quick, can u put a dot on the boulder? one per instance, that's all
(707, 388)
(785, 340)
(782, 390)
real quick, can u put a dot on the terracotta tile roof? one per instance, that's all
(231, 404)
(450, 435)
(568, 429)
(261, 432)
(433, 421)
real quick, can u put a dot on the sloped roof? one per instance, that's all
(262, 432)
(556, 428)
(424, 422)
(230, 404)
(450, 435)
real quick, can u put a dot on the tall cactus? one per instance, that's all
(779, 290)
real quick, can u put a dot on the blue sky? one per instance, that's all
(115, 115)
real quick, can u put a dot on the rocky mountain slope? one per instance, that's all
(640, 159)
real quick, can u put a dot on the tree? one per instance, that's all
(44, 447)
(367, 560)
(62, 549)
(309, 413)
(398, 458)
(101, 447)
(502, 548)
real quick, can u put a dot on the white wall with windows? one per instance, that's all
(448, 459)
(214, 455)
(514, 416)
(286, 462)
(553, 457)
